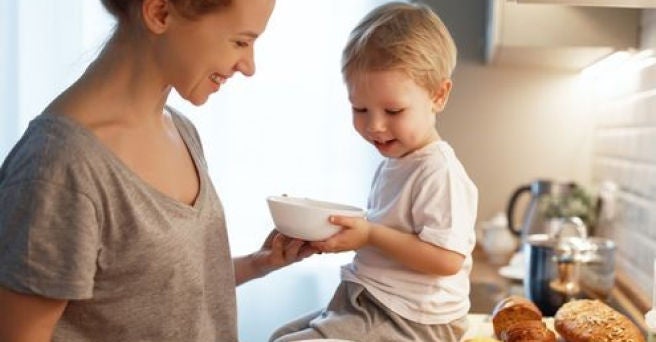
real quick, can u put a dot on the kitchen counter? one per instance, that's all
(488, 287)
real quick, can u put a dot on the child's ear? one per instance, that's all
(155, 15)
(441, 95)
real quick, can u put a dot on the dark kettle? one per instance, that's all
(540, 190)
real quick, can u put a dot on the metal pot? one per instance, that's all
(598, 268)
(553, 265)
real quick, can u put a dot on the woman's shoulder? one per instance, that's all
(52, 146)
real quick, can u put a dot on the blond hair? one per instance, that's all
(401, 36)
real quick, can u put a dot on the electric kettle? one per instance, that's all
(542, 194)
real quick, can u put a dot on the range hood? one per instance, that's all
(595, 3)
(554, 36)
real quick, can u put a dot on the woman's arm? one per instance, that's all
(405, 248)
(28, 318)
(276, 252)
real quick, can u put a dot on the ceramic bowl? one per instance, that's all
(307, 219)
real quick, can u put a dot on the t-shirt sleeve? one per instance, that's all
(444, 211)
(49, 240)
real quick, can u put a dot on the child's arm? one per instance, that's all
(405, 248)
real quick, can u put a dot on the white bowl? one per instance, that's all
(307, 219)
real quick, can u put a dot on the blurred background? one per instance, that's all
(541, 91)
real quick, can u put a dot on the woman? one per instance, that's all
(111, 229)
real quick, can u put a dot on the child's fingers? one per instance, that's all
(344, 221)
(338, 220)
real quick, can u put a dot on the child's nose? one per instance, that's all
(376, 125)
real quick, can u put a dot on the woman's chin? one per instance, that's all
(197, 101)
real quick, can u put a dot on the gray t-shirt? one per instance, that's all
(135, 264)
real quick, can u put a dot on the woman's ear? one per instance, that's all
(156, 14)
(441, 95)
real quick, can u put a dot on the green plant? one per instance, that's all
(578, 203)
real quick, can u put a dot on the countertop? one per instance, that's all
(488, 287)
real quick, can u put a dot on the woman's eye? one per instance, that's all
(241, 44)
(393, 111)
(359, 110)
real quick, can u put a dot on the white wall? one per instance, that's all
(510, 126)
(625, 154)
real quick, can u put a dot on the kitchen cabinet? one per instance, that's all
(597, 3)
(556, 36)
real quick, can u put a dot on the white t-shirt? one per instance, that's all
(427, 193)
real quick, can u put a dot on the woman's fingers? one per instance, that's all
(268, 242)
(327, 246)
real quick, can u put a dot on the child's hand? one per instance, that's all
(355, 234)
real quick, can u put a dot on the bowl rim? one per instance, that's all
(305, 202)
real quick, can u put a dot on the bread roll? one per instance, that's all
(482, 339)
(528, 331)
(591, 320)
(511, 310)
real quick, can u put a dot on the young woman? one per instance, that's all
(111, 229)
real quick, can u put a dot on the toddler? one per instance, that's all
(409, 279)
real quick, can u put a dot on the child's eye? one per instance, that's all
(359, 110)
(393, 111)
(241, 44)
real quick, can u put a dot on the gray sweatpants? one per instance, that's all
(354, 314)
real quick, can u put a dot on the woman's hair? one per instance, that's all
(401, 36)
(124, 10)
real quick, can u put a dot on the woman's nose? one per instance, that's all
(247, 64)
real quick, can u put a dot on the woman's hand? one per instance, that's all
(277, 251)
(355, 233)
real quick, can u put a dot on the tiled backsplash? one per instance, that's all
(625, 154)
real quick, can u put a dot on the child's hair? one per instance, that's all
(124, 10)
(401, 36)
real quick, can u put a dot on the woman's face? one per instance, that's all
(197, 56)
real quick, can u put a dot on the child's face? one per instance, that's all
(394, 113)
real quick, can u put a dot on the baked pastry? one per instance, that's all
(591, 320)
(528, 331)
(511, 310)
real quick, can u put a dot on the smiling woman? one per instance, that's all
(298, 85)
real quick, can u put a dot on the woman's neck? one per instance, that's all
(122, 84)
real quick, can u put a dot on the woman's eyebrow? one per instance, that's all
(250, 34)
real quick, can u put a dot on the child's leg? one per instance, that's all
(303, 335)
(353, 314)
(294, 326)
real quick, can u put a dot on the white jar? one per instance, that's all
(498, 243)
(650, 319)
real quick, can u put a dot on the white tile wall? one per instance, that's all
(625, 153)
